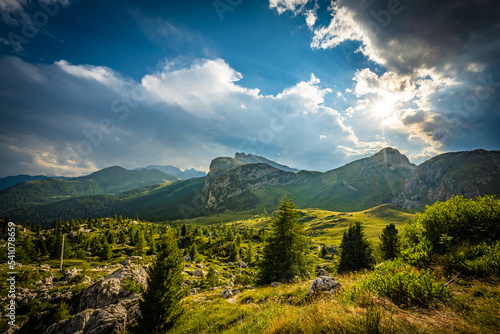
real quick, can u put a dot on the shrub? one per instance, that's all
(459, 220)
(133, 286)
(479, 260)
(403, 284)
(61, 312)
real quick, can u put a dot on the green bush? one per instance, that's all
(403, 284)
(417, 254)
(459, 220)
(133, 286)
(479, 260)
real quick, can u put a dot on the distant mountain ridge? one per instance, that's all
(255, 159)
(177, 172)
(111, 180)
(232, 185)
(9, 181)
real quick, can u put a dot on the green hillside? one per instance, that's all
(112, 180)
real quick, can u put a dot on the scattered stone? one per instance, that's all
(186, 258)
(194, 291)
(199, 265)
(226, 275)
(235, 291)
(198, 273)
(226, 294)
(49, 279)
(216, 272)
(131, 259)
(322, 284)
(275, 284)
(187, 282)
(69, 274)
(44, 267)
(188, 265)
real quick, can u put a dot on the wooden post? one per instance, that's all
(62, 254)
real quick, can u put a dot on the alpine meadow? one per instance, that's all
(267, 166)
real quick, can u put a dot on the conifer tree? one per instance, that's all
(286, 250)
(250, 253)
(193, 253)
(356, 252)
(161, 303)
(140, 244)
(106, 252)
(212, 279)
(389, 242)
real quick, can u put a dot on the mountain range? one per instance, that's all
(252, 183)
(175, 171)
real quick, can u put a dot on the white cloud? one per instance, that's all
(282, 6)
(101, 74)
(198, 89)
(311, 18)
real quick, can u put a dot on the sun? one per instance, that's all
(384, 107)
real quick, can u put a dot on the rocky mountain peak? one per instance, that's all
(393, 159)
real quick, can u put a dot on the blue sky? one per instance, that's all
(312, 84)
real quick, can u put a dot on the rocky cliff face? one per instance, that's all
(469, 174)
(386, 177)
(229, 183)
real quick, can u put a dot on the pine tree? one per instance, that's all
(160, 306)
(106, 252)
(212, 279)
(389, 242)
(234, 251)
(250, 253)
(193, 253)
(139, 246)
(122, 237)
(286, 250)
(356, 252)
(323, 253)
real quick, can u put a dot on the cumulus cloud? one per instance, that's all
(77, 118)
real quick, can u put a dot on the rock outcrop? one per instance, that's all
(323, 284)
(111, 289)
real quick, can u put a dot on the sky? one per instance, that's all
(312, 84)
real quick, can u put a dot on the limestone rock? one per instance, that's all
(275, 284)
(198, 273)
(49, 279)
(131, 259)
(322, 284)
(111, 320)
(110, 290)
(226, 294)
(69, 274)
